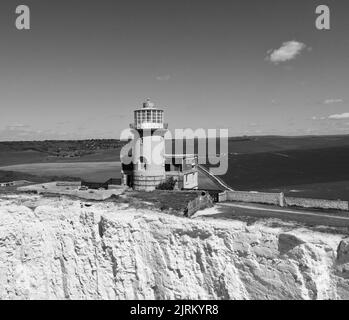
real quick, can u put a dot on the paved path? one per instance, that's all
(229, 210)
(282, 210)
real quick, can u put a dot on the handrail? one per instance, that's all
(218, 180)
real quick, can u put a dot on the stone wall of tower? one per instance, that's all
(149, 161)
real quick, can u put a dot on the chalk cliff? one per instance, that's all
(53, 248)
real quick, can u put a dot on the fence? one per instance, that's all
(279, 199)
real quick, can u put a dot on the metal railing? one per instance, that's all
(149, 125)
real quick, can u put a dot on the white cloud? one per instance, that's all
(288, 51)
(318, 118)
(332, 101)
(17, 126)
(344, 115)
(165, 77)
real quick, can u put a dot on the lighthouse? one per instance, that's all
(147, 165)
(148, 158)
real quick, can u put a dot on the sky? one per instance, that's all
(253, 67)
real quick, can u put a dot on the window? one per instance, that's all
(139, 117)
(158, 116)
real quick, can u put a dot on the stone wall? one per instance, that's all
(199, 203)
(253, 197)
(317, 203)
(280, 200)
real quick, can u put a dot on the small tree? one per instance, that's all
(169, 184)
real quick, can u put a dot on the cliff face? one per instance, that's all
(62, 249)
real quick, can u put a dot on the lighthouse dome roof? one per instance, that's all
(148, 104)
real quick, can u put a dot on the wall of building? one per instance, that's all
(146, 182)
(190, 180)
(149, 162)
(186, 180)
(14, 183)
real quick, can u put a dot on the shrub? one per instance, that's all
(169, 184)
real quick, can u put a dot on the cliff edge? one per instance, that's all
(58, 248)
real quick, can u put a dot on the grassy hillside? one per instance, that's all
(20, 152)
(6, 176)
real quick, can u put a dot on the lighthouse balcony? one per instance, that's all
(148, 125)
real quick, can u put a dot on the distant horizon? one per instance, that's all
(230, 137)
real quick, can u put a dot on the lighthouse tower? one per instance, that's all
(148, 157)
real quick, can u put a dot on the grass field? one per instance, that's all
(93, 171)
